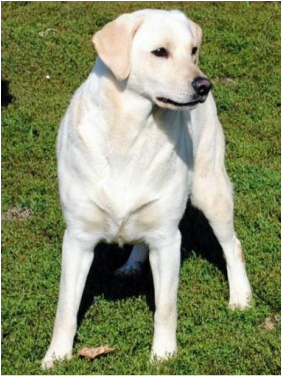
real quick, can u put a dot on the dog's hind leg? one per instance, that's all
(212, 193)
(133, 265)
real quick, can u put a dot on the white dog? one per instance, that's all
(141, 135)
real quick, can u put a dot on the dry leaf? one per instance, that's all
(93, 352)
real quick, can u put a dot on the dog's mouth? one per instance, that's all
(177, 104)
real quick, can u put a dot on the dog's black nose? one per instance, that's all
(201, 85)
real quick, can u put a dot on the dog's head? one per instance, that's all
(157, 53)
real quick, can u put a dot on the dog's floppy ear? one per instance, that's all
(113, 44)
(197, 34)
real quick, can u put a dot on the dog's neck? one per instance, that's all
(119, 105)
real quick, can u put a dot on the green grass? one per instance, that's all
(241, 54)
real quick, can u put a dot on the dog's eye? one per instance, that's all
(194, 50)
(160, 52)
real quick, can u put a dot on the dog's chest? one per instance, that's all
(134, 201)
(128, 191)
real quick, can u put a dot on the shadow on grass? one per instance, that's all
(197, 236)
(6, 97)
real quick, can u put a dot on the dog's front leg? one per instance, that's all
(77, 257)
(165, 261)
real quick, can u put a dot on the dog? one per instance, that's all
(140, 136)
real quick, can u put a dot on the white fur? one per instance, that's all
(126, 166)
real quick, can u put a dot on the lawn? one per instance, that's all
(46, 55)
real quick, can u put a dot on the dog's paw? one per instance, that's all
(129, 270)
(47, 363)
(155, 359)
(240, 299)
(162, 352)
(52, 356)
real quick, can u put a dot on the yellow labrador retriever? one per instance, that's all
(141, 135)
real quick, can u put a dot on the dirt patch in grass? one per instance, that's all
(226, 80)
(271, 322)
(17, 213)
